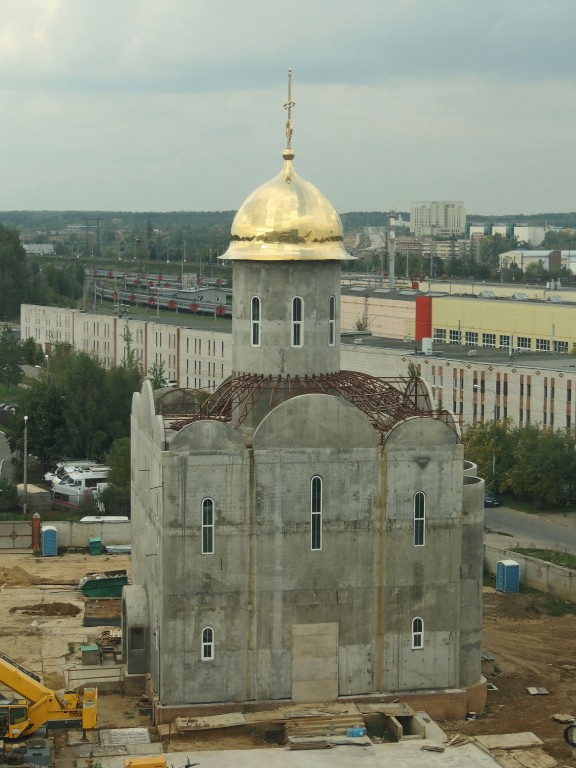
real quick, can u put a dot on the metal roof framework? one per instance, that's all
(385, 401)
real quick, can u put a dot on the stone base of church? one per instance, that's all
(440, 704)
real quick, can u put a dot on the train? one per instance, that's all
(156, 298)
(143, 279)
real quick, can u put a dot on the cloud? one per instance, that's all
(178, 105)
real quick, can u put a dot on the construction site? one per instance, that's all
(43, 614)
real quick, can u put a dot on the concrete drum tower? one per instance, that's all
(307, 533)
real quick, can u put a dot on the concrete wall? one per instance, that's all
(275, 355)
(263, 582)
(534, 573)
(72, 534)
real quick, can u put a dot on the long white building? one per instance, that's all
(533, 387)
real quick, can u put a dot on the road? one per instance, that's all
(5, 455)
(551, 531)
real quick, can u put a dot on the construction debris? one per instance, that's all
(433, 747)
(566, 719)
(538, 691)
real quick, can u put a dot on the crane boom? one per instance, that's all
(39, 704)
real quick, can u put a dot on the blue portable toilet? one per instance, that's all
(49, 541)
(507, 576)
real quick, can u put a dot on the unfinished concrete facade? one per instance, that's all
(308, 533)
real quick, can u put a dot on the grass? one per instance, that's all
(521, 506)
(563, 559)
(549, 605)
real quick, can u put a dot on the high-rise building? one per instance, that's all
(438, 218)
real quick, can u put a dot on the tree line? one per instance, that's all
(27, 282)
(532, 463)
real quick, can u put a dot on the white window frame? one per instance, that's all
(455, 337)
(207, 645)
(255, 318)
(542, 345)
(417, 633)
(316, 503)
(419, 518)
(297, 321)
(208, 526)
(331, 321)
(440, 335)
(488, 339)
(471, 338)
(524, 342)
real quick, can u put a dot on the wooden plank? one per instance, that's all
(231, 720)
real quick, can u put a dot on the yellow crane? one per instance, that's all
(40, 705)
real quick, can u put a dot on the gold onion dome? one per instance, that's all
(287, 218)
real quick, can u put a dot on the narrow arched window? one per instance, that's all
(255, 319)
(417, 633)
(419, 518)
(297, 322)
(316, 513)
(332, 321)
(208, 527)
(207, 644)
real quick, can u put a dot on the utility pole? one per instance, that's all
(392, 259)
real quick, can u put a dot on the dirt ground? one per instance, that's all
(532, 649)
(41, 611)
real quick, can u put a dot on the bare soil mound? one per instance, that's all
(47, 609)
(16, 577)
(532, 649)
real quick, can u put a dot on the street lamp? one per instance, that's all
(482, 390)
(25, 505)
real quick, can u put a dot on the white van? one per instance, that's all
(66, 466)
(77, 488)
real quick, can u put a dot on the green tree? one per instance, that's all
(485, 441)
(536, 273)
(116, 496)
(8, 495)
(85, 399)
(543, 466)
(31, 352)
(532, 463)
(10, 356)
(15, 275)
(120, 384)
(157, 375)
(48, 437)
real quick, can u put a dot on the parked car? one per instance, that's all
(491, 499)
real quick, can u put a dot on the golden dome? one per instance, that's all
(287, 219)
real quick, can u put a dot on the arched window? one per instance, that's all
(316, 513)
(331, 321)
(297, 322)
(419, 518)
(208, 526)
(417, 633)
(255, 319)
(207, 643)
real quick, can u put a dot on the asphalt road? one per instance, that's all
(5, 455)
(508, 527)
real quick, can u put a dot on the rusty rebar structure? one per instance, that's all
(385, 401)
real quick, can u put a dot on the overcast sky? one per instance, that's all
(177, 104)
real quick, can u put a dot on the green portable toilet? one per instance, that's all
(95, 546)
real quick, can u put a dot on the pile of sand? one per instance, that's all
(16, 577)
